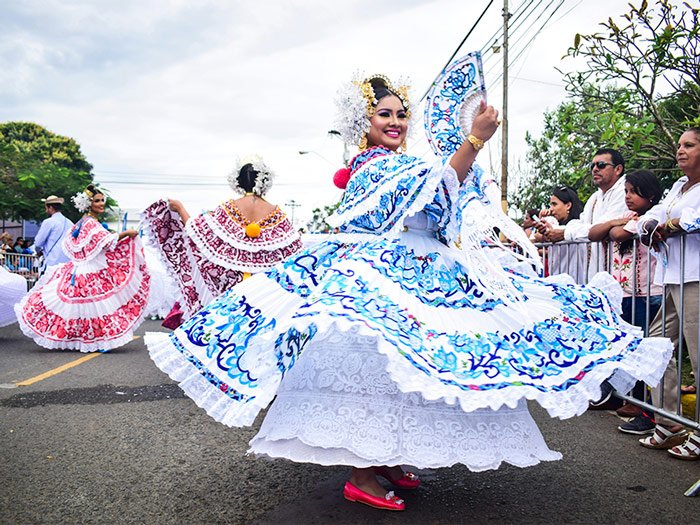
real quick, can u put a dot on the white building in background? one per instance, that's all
(121, 219)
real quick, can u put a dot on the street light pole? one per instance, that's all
(310, 151)
(346, 152)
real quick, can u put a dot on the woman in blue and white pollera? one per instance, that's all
(403, 339)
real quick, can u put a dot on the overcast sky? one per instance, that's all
(164, 95)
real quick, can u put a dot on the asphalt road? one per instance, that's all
(113, 440)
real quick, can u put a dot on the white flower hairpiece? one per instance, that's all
(263, 181)
(81, 201)
(355, 102)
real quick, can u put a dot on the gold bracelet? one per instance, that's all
(476, 143)
(670, 226)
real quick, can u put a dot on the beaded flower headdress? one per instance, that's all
(263, 182)
(82, 200)
(356, 102)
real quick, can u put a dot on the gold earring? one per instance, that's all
(363, 143)
(404, 147)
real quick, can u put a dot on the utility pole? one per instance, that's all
(504, 120)
(293, 204)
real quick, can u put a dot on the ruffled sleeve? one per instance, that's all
(87, 239)
(387, 188)
(220, 238)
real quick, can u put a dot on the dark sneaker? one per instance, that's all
(638, 426)
(606, 401)
(628, 410)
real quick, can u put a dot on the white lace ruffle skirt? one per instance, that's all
(338, 406)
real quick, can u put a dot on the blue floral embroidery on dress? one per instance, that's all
(224, 329)
(204, 371)
(524, 357)
(426, 277)
(370, 282)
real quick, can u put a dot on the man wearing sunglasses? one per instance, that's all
(607, 171)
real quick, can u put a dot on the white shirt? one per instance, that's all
(685, 206)
(48, 239)
(600, 207)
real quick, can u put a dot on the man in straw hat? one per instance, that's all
(48, 238)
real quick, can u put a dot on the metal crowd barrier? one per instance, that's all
(577, 258)
(24, 264)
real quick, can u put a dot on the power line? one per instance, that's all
(147, 173)
(195, 184)
(516, 23)
(521, 14)
(544, 24)
(499, 32)
(538, 81)
(521, 32)
(456, 50)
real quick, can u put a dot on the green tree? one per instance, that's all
(638, 92)
(652, 51)
(35, 163)
(318, 223)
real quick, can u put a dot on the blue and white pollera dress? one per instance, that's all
(408, 338)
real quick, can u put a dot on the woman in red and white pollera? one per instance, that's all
(95, 301)
(208, 254)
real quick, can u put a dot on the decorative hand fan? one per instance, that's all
(453, 102)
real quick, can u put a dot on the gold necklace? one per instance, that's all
(679, 197)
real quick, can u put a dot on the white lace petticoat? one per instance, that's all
(338, 406)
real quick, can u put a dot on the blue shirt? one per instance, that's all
(48, 239)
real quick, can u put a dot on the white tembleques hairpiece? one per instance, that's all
(263, 182)
(355, 102)
(81, 201)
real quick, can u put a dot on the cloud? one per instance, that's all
(174, 90)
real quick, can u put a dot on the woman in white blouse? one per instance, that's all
(679, 212)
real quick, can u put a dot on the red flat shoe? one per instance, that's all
(388, 502)
(408, 481)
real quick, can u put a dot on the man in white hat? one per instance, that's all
(51, 233)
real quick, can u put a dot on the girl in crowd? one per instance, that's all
(389, 345)
(212, 252)
(679, 212)
(95, 301)
(528, 224)
(629, 267)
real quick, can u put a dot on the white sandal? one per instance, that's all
(689, 451)
(663, 438)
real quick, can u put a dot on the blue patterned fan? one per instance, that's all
(453, 102)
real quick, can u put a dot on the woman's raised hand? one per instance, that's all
(174, 205)
(128, 233)
(486, 122)
(484, 126)
(179, 208)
